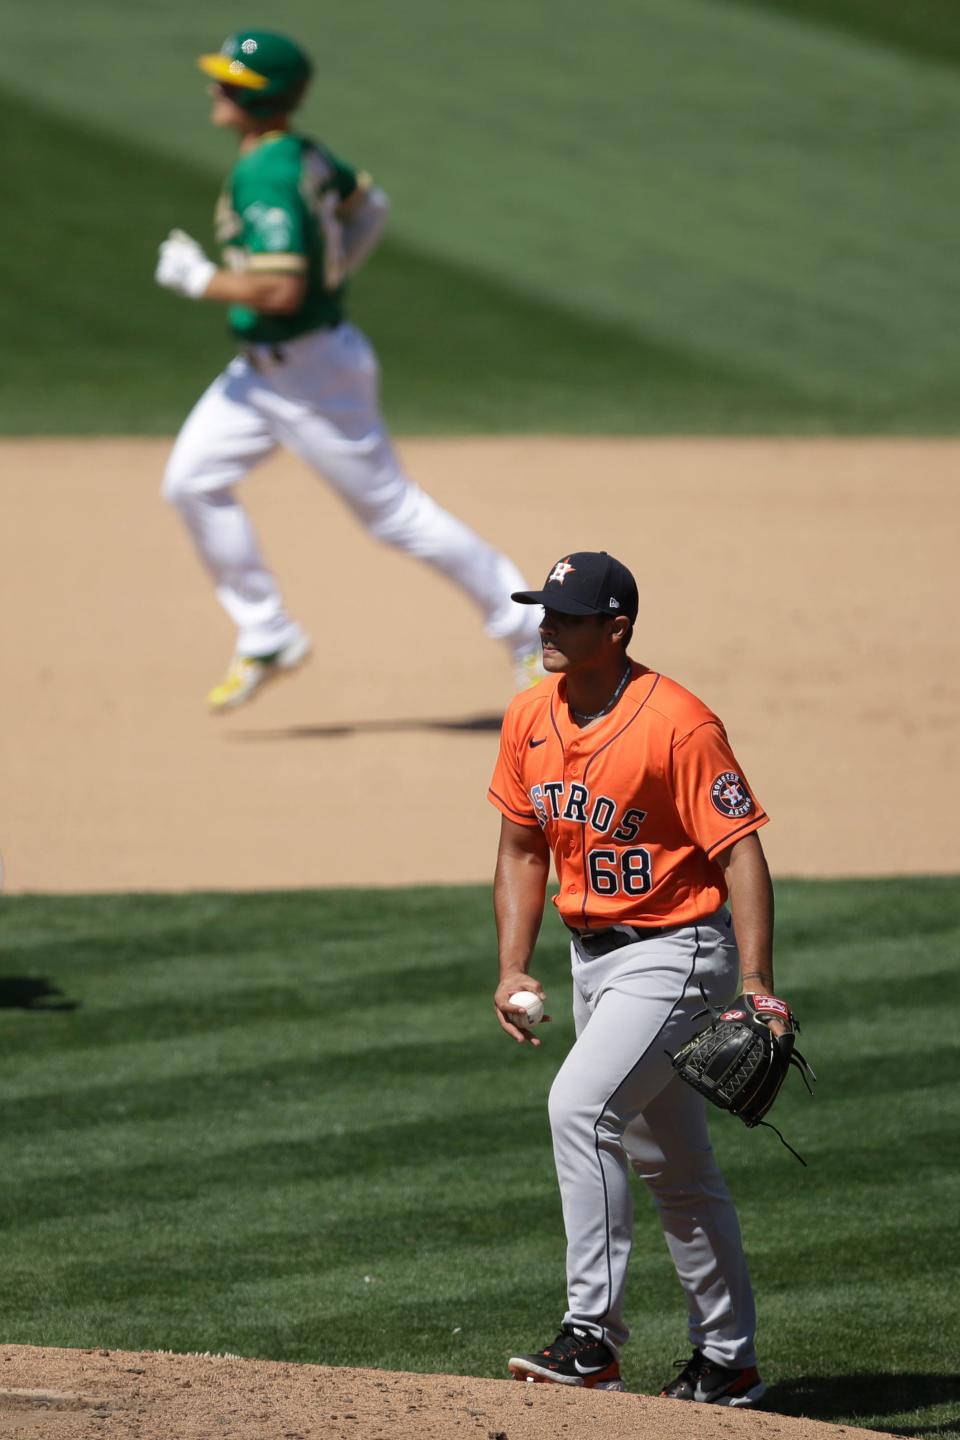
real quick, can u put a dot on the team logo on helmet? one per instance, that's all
(560, 571)
(730, 795)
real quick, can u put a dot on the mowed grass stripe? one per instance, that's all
(232, 1072)
(211, 1151)
(99, 1177)
(929, 29)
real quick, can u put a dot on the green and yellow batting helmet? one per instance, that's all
(261, 71)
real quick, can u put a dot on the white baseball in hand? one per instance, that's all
(532, 1007)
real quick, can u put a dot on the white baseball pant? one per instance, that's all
(321, 401)
(616, 1102)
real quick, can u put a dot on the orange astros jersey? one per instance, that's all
(635, 809)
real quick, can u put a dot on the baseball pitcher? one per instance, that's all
(629, 782)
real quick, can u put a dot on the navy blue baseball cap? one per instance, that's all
(586, 582)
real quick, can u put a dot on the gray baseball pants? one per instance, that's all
(616, 1103)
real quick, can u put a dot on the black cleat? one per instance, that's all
(711, 1384)
(575, 1358)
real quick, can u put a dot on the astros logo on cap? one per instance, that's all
(560, 571)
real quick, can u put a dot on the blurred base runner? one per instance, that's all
(295, 222)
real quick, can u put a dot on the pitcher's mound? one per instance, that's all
(76, 1394)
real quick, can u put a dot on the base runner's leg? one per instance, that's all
(222, 438)
(344, 437)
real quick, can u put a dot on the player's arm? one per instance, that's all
(276, 286)
(722, 815)
(519, 891)
(362, 216)
(267, 293)
(751, 903)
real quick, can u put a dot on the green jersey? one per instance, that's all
(278, 214)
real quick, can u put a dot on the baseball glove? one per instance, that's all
(738, 1063)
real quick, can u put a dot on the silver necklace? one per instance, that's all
(621, 686)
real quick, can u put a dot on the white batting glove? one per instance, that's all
(183, 267)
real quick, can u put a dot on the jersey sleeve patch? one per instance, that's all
(729, 795)
(270, 227)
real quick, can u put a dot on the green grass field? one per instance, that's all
(674, 216)
(286, 1126)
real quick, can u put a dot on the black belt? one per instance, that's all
(255, 357)
(595, 943)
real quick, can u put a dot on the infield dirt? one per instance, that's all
(806, 590)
